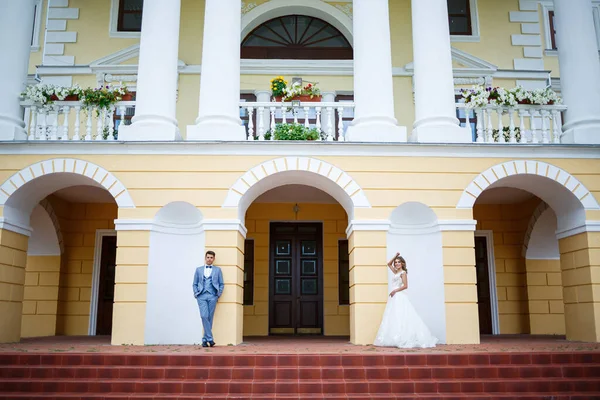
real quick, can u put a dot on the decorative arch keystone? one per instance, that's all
(335, 178)
(67, 165)
(526, 167)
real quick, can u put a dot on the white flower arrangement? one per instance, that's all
(480, 96)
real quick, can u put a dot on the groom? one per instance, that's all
(208, 287)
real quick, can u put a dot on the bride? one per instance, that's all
(401, 326)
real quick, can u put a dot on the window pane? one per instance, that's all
(248, 272)
(132, 22)
(343, 273)
(459, 25)
(133, 5)
(458, 6)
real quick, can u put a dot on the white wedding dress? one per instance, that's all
(401, 326)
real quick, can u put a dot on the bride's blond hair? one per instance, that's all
(402, 263)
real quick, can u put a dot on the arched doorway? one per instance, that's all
(524, 284)
(80, 201)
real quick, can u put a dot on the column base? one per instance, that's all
(582, 133)
(217, 129)
(441, 133)
(10, 130)
(149, 130)
(376, 131)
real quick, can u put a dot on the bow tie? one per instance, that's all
(208, 266)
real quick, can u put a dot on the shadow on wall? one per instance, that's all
(415, 233)
(176, 249)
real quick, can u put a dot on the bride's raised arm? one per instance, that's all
(391, 263)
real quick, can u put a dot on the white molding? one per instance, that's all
(590, 226)
(368, 225)
(152, 225)
(475, 31)
(268, 148)
(133, 224)
(489, 236)
(100, 234)
(113, 23)
(21, 229)
(473, 65)
(225, 225)
(460, 225)
(415, 229)
(37, 26)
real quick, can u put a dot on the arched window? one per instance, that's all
(296, 37)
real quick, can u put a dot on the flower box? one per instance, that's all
(127, 97)
(72, 97)
(302, 98)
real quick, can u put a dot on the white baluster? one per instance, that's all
(122, 111)
(33, 124)
(250, 123)
(512, 137)
(77, 122)
(341, 124)
(318, 123)
(273, 124)
(534, 135)
(490, 129)
(261, 123)
(480, 138)
(44, 126)
(306, 110)
(100, 124)
(501, 138)
(295, 113)
(545, 129)
(54, 129)
(283, 115)
(556, 126)
(111, 123)
(330, 117)
(65, 126)
(521, 126)
(88, 126)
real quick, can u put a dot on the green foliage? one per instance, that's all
(293, 132)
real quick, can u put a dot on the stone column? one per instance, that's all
(435, 110)
(13, 259)
(155, 117)
(579, 70)
(219, 110)
(16, 21)
(374, 119)
(579, 262)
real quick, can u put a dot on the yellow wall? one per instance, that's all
(78, 223)
(545, 293)
(40, 302)
(13, 258)
(335, 221)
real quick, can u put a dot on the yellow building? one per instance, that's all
(104, 217)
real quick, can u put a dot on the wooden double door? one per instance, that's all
(296, 279)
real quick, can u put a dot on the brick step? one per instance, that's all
(303, 360)
(301, 373)
(307, 387)
(397, 396)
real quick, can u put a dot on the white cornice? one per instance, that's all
(367, 225)
(21, 229)
(179, 229)
(268, 148)
(415, 229)
(590, 226)
(464, 225)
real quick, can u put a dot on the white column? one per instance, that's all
(16, 24)
(374, 119)
(155, 117)
(219, 111)
(579, 70)
(435, 110)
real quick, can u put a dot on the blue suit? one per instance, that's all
(207, 292)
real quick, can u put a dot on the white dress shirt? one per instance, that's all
(207, 272)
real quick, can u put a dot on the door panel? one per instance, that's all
(296, 279)
(483, 286)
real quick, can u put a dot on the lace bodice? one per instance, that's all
(397, 279)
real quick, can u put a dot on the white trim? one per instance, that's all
(489, 236)
(466, 225)
(415, 229)
(37, 26)
(100, 234)
(133, 224)
(475, 34)
(24, 230)
(312, 8)
(590, 226)
(113, 23)
(268, 148)
(225, 225)
(152, 225)
(367, 225)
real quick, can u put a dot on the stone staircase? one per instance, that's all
(561, 375)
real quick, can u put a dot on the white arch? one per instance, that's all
(568, 197)
(537, 213)
(20, 193)
(540, 240)
(50, 210)
(312, 8)
(44, 238)
(296, 170)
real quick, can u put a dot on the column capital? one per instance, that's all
(367, 225)
(21, 229)
(589, 226)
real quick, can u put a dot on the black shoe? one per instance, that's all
(204, 344)
(212, 344)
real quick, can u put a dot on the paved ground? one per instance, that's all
(294, 345)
